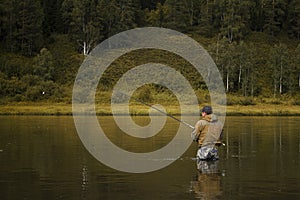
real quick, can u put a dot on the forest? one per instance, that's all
(254, 43)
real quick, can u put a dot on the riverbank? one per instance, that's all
(105, 109)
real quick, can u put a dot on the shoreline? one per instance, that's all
(61, 109)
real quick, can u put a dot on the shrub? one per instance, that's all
(275, 102)
(144, 94)
(246, 101)
(34, 93)
(296, 102)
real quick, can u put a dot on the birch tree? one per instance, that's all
(234, 15)
(222, 53)
(279, 61)
(245, 65)
(85, 28)
(117, 15)
(297, 63)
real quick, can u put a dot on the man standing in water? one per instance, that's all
(207, 132)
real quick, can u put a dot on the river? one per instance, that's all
(42, 157)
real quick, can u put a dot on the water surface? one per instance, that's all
(43, 158)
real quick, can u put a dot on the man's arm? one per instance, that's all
(196, 133)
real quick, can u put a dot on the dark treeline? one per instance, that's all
(255, 43)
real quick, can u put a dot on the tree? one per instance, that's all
(127, 13)
(293, 83)
(279, 61)
(150, 4)
(177, 17)
(253, 69)
(53, 22)
(257, 15)
(117, 15)
(293, 18)
(296, 62)
(29, 26)
(84, 24)
(7, 24)
(21, 25)
(192, 11)
(158, 16)
(205, 16)
(174, 14)
(44, 65)
(223, 53)
(234, 17)
(108, 11)
(274, 12)
(245, 65)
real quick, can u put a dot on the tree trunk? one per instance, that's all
(227, 82)
(275, 88)
(84, 48)
(280, 80)
(240, 76)
(252, 86)
(217, 51)
(191, 14)
(299, 80)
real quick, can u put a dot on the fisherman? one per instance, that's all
(208, 133)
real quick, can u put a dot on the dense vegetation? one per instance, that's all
(255, 43)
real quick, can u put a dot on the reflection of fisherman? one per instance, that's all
(207, 133)
(207, 183)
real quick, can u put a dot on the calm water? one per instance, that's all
(43, 158)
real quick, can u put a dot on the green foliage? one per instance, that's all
(240, 100)
(177, 16)
(274, 12)
(296, 102)
(234, 17)
(26, 30)
(14, 65)
(253, 43)
(144, 94)
(279, 61)
(44, 65)
(66, 59)
(157, 17)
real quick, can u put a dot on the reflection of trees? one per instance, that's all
(207, 183)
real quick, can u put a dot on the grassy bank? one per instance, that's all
(36, 109)
(136, 109)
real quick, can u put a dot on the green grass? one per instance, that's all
(29, 108)
(263, 110)
(36, 109)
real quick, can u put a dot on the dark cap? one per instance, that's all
(207, 110)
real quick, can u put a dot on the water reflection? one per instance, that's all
(84, 183)
(207, 183)
(43, 158)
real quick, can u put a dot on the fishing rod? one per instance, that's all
(169, 115)
(151, 106)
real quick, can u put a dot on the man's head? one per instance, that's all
(206, 110)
